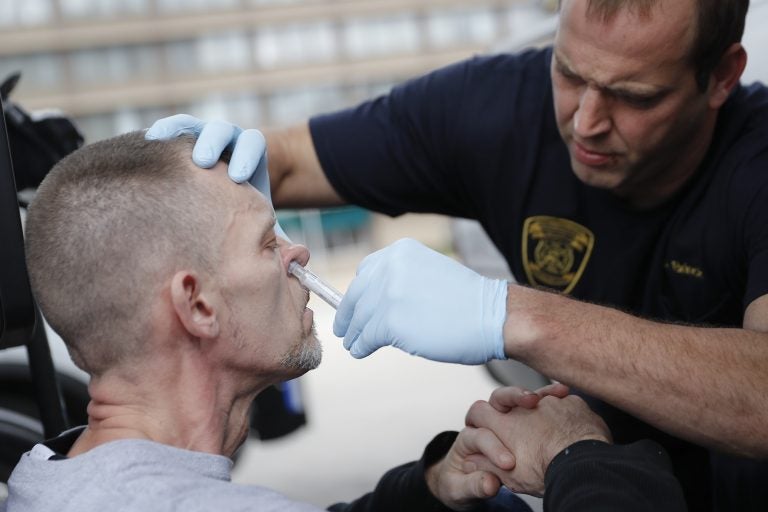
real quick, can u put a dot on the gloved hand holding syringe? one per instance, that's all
(316, 285)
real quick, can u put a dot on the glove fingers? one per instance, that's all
(361, 314)
(360, 317)
(360, 338)
(369, 339)
(214, 138)
(355, 291)
(173, 126)
(249, 161)
(346, 308)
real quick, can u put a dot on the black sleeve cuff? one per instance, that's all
(596, 476)
(404, 488)
(438, 448)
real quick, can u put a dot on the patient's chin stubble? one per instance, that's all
(305, 355)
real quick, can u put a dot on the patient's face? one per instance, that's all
(265, 307)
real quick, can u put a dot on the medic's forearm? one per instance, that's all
(701, 384)
(295, 172)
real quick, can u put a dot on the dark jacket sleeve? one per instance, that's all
(595, 476)
(404, 488)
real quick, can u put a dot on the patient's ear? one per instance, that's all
(192, 306)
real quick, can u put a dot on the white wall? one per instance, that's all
(756, 41)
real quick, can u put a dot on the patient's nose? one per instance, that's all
(290, 252)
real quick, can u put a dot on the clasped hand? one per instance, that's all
(535, 428)
(496, 448)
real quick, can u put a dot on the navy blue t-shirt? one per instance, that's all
(478, 139)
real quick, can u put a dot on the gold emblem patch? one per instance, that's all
(555, 251)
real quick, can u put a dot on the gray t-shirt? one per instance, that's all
(135, 475)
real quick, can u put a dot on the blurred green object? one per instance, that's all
(345, 218)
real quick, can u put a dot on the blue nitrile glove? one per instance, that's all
(249, 149)
(411, 297)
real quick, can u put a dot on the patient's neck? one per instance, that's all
(180, 401)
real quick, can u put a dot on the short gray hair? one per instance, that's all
(107, 228)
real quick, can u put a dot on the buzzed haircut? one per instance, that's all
(720, 23)
(107, 228)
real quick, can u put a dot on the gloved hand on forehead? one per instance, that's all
(249, 149)
(411, 297)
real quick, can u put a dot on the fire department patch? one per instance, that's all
(555, 252)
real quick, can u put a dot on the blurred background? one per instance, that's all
(118, 65)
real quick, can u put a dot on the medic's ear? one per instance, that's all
(193, 308)
(726, 74)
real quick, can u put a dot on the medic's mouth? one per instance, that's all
(590, 157)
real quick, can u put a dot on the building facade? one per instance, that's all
(118, 65)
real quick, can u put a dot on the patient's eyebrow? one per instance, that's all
(267, 227)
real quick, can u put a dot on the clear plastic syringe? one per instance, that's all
(316, 285)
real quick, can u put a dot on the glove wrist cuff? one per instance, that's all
(495, 313)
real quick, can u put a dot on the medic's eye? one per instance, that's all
(568, 75)
(640, 101)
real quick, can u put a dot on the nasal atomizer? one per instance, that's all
(316, 285)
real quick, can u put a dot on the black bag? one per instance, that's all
(37, 141)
